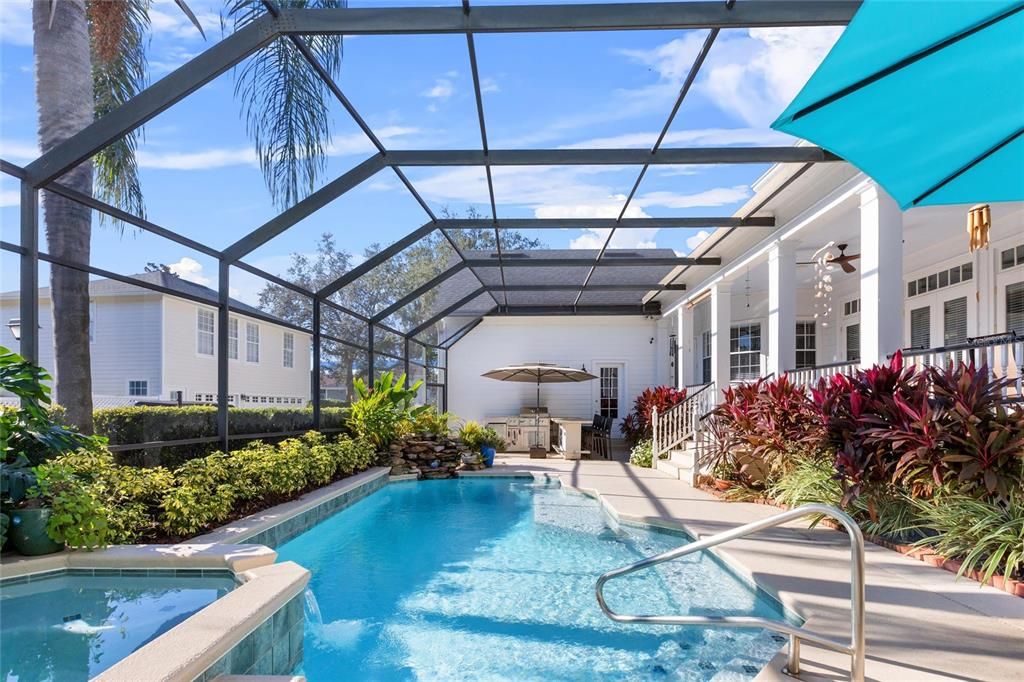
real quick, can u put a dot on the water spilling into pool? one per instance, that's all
(72, 626)
(494, 580)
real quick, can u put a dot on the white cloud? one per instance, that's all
(719, 196)
(696, 137)
(753, 75)
(694, 240)
(16, 23)
(16, 150)
(9, 197)
(442, 89)
(643, 238)
(489, 85)
(201, 160)
(166, 18)
(190, 270)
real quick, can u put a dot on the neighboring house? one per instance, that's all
(149, 346)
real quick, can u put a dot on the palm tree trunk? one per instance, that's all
(64, 95)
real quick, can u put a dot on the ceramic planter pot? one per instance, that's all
(488, 455)
(28, 532)
(722, 484)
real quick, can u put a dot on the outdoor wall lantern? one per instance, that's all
(14, 324)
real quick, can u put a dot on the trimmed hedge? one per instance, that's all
(129, 425)
(162, 504)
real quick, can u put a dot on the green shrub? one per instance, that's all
(987, 535)
(352, 455)
(642, 454)
(810, 480)
(202, 493)
(432, 422)
(321, 467)
(382, 410)
(77, 517)
(129, 425)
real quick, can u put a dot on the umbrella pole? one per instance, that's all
(536, 416)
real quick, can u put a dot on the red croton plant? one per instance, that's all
(924, 430)
(637, 424)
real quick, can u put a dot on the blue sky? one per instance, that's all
(610, 89)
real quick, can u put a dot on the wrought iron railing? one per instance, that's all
(680, 422)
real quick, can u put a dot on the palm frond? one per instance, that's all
(117, 32)
(285, 104)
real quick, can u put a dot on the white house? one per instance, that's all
(149, 346)
(779, 302)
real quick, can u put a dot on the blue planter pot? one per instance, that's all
(488, 455)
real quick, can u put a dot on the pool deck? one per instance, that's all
(922, 623)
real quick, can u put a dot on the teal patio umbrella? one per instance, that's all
(927, 98)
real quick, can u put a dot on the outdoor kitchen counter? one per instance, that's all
(570, 435)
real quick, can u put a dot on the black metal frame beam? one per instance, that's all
(673, 156)
(416, 331)
(601, 223)
(292, 24)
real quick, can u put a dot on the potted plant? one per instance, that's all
(28, 435)
(490, 443)
(483, 440)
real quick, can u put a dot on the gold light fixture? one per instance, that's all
(979, 220)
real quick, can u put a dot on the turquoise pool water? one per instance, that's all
(494, 580)
(73, 626)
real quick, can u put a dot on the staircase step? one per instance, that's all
(676, 470)
(684, 458)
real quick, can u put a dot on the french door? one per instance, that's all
(610, 392)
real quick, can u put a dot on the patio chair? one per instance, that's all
(601, 437)
(587, 434)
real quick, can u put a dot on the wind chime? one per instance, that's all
(979, 221)
(823, 284)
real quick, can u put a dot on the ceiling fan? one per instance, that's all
(843, 260)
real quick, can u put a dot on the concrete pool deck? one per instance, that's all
(922, 623)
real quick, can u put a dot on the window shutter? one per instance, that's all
(852, 342)
(954, 322)
(1015, 307)
(920, 327)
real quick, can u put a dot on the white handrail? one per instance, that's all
(855, 649)
(679, 422)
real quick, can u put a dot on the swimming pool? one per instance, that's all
(493, 579)
(75, 623)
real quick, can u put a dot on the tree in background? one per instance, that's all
(90, 58)
(376, 290)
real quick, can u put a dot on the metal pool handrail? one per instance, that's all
(855, 649)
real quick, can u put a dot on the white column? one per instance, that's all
(881, 276)
(781, 308)
(721, 320)
(684, 342)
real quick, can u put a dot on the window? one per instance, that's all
(806, 355)
(705, 356)
(289, 349)
(851, 307)
(136, 387)
(852, 342)
(1011, 257)
(745, 352)
(609, 378)
(941, 279)
(954, 321)
(921, 327)
(204, 332)
(233, 338)
(1015, 307)
(252, 342)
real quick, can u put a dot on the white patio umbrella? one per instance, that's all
(539, 373)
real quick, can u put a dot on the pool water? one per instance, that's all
(73, 626)
(493, 579)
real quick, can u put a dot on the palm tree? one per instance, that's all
(90, 58)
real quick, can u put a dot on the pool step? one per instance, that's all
(680, 464)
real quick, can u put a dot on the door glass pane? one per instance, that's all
(609, 403)
(954, 322)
